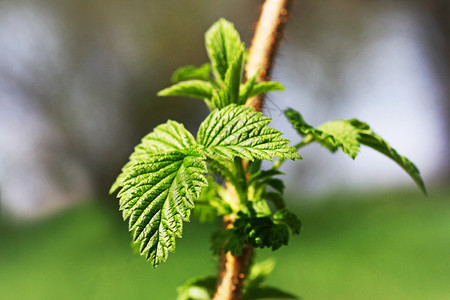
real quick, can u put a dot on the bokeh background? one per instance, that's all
(78, 84)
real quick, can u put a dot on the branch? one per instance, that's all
(265, 44)
(233, 269)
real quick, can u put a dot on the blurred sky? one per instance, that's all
(78, 83)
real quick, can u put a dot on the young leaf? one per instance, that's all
(349, 135)
(263, 174)
(222, 168)
(157, 195)
(223, 44)
(254, 166)
(191, 88)
(275, 183)
(192, 72)
(266, 87)
(299, 124)
(368, 138)
(233, 78)
(284, 216)
(159, 186)
(246, 90)
(165, 137)
(333, 135)
(341, 134)
(239, 131)
(263, 232)
(276, 198)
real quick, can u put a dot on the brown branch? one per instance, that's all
(265, 44)
(233, 269)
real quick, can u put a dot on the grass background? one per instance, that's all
(389, 245)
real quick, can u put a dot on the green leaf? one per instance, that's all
(259, 207)
(275, 183)
(264, 87)
(159, 186)
(246, 90)
(233, 78)
(264, 174)
(223, 44)
(157, 195)
(267, 292)
(254, 166)
(222, 168)
(165, 137)
(263, 232)
(349, 135)
(284, 216)
(368, 138)
(239, 131)
(342, 134)
(276, 198)
(191, 88)
(299, 124)
(192, 72)
(199, 288)
(333, 135)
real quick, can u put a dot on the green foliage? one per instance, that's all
(368, 138)
(333, 135)
(159, 189)
(171, 175)
(192, 72)
(341, 134)
(239, 131)
(192, 88)
(262, 232)
(227, 54)
(165, 174)
(266, 87)
(224, 47)
(259, 232)
(349, 135)
(284, 216)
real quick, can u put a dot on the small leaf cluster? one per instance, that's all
(166, 173)
(219, 83)
(172, 174)
(259, 232)
(265, 222)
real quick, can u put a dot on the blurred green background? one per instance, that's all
(78, 84)
(392, 245)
